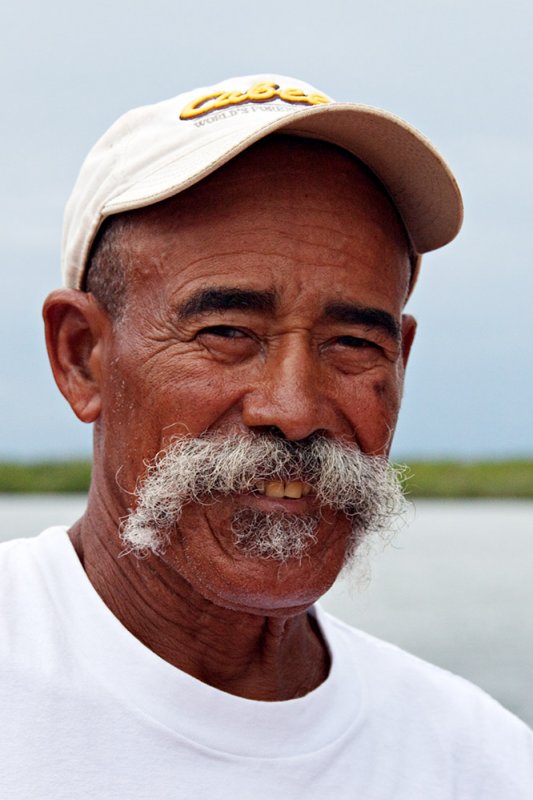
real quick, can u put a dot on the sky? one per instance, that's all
(459, 71)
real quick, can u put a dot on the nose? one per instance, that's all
(288, 395)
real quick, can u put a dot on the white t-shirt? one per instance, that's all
(87, 711)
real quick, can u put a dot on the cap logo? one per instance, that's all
(258, 93)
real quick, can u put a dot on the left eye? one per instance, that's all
(356, 342)
(224, 331)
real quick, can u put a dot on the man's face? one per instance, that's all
(269, 297)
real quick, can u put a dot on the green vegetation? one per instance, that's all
(54, 476)
(427, 478)
(470, 479)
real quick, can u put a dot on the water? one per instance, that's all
(456, 587)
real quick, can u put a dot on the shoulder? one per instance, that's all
(24, 555)
(388, 671)
(25, 595)
(432, 709)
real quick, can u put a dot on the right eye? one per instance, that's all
(227, 342)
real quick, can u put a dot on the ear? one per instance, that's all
(74, 327)
(408, 336)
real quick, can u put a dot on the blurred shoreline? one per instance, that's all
(509, 478)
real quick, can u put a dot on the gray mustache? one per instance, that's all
(200, 470)
(213, 465)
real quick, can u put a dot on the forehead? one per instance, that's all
(287, 209)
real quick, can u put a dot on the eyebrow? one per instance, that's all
(233, 298)
(363, 315)
(227, 298)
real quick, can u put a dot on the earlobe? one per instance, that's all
(74, 327)
(408, 335)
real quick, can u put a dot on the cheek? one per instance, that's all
(386, 393)
(150, 400)
(373, 408)
(197, 397)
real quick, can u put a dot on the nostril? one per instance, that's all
(269, 430)
(275, 431)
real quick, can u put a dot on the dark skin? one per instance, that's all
(319, 343)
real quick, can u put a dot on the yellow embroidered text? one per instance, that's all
(259, 93)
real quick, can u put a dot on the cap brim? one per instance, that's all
(416, 176)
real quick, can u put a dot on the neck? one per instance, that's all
(252, 655)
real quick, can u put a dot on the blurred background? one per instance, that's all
(459, 71)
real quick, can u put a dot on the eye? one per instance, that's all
(356, 342)
(227, 343)
(224, 331)
(354, 354)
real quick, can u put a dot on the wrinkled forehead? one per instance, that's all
(273, 167)
(281, 173)
(273, 163)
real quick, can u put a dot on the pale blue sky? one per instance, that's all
(460, 71)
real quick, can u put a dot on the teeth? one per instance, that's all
(274, 489)
(293, 489)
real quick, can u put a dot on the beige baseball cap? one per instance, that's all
(156, 151)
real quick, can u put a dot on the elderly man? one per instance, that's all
(236, 263)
